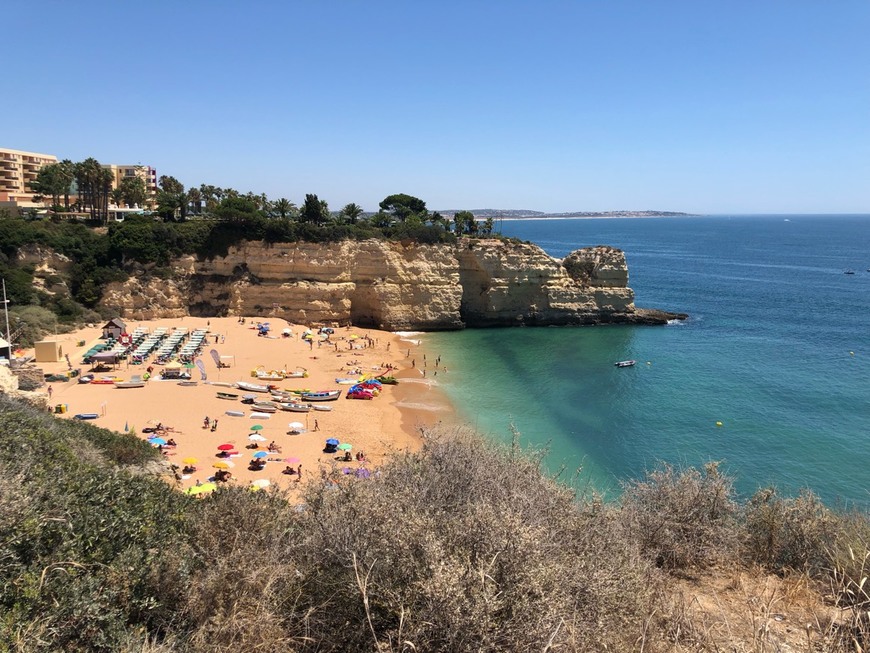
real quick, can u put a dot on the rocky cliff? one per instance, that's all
(393, 286)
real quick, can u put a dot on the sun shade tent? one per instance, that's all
(105, 357)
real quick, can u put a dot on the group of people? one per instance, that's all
(210, 423)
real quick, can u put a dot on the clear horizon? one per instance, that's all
(710, 108)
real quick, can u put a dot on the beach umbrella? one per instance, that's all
(261, 483)
(292, 460)
(189, 461)
(362, 472)
(345, 446)
(226, 447)
(157, 441)
(260, 454)
(296, 425)
(221, 465)
(256, 437)
(332, 441)
(189, 366)
(257, 427)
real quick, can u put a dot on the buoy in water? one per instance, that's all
(851, 353)
(649, 362)
(718, 423)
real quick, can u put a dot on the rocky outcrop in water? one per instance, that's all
(392, 285)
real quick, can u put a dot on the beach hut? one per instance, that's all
(48, 351)
(114, 328)
(5, 350)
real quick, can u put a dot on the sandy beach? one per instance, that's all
(388, 423)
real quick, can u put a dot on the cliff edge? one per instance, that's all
(393, 285)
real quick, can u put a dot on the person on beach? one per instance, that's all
(214, 424)
(316, 426)
(50, 392)
(206, 422)
(299, 472)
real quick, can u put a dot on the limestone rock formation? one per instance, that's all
(393, 285)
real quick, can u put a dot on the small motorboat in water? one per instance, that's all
(625, 363)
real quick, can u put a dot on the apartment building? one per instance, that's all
(17, 170)
(147, 174)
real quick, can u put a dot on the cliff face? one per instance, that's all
(393, 286)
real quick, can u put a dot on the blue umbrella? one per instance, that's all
(157, 441)
(332, 441)
(260, 454)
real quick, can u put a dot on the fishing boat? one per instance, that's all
(227, 395)
(322, 407)
(188, 384)
(849, 272)
(625, 363)
(130, 384)
(251, 387)
(347, 380)
(270, 376)
(323, 395)
(266, 407)
(294, 407)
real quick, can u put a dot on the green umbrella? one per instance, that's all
(257, 427)
(189, 366)
(345, 446)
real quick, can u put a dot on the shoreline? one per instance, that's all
(389, 423)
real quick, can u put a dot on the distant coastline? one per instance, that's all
(527, 214)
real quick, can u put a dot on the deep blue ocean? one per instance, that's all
(777, 348)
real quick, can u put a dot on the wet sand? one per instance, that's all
(388, 423)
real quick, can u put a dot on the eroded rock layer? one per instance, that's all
(393, 286)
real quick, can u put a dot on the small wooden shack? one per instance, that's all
(114, 328)
(48, 351)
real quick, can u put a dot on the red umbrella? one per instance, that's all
(226, 447)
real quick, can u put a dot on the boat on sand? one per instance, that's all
(323, 395)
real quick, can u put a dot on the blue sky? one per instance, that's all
(711, 107)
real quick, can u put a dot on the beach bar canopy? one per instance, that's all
(105, 357)
(48, 351)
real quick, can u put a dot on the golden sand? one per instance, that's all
(388, 423)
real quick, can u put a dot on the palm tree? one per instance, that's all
(194, 200)
(283, 207)
(352, 212)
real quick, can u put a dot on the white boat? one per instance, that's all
(347, 381)
(323, 395)
(322, 407)
(129, 384)
(251, 387)
(625, 363)
(264, 408)
(294, 407)
(260, 415)
(134, 382)
(299, 374)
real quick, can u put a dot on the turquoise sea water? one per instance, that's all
(766, 351)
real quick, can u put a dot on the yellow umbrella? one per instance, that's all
(220, 465)
(189, 461)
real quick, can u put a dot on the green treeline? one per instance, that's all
(462, 547)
